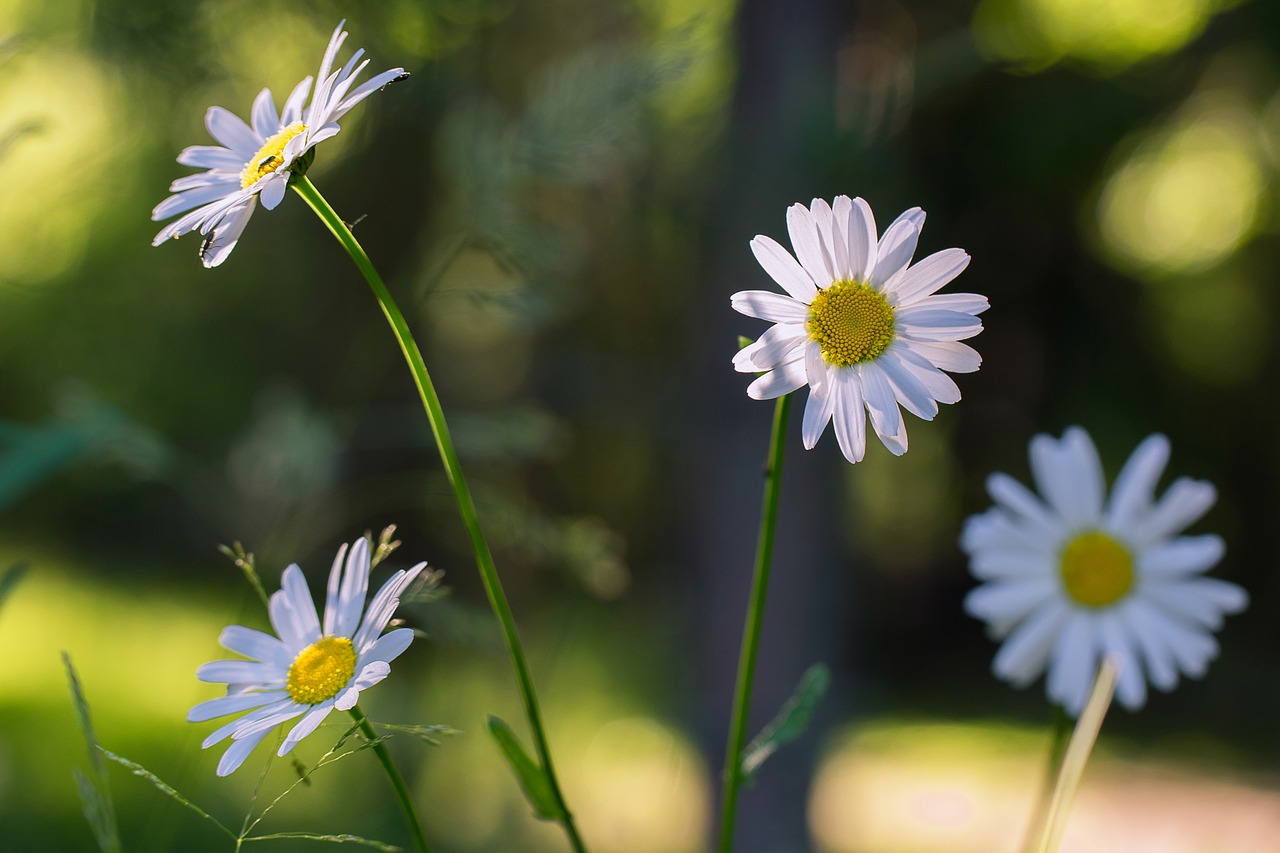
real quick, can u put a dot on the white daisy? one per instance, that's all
(860, 327)
(1072, 577)
(312, 668)
(256, 160)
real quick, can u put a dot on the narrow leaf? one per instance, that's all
(533, 780)
(94, 789)
(790, 722)
(338, 839)
(10, 579)
(163, 787)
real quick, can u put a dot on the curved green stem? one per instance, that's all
(462, 494)
(751, 632)
(397, 781)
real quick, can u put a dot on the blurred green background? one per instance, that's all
(561, 199)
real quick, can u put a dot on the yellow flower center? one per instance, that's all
(1096, 570)
(269, 155)
(851, 322)
(321, 670)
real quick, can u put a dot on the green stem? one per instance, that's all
(397, 781)
(751, 632)
(1062, 725)
(466, 506)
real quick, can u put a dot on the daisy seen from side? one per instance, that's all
(310, 668)
(254, 161)
(859, 324)
(1071, 576)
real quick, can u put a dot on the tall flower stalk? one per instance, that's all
(462, 494)
(751, 631)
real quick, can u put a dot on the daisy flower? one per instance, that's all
(311, 668)
(858, 324)
(255, 160)
(1071, 576)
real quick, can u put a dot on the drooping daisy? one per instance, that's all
(313, 667)
(1072, 576)
(860, 326)
(255, 160)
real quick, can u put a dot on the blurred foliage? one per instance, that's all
(561, 199)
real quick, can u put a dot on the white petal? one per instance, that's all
(238, 752)
(775, 346)
(1069, 474)
(817, 414)
(1074, 663)
(765, 305)
(271, 189)
(292, 111)
(292, 612)
(383, 606)
(926, 277)
(783, 379)
(193, 198)
(807, 243)
(837, 227)
(265, 120)
(1131, 687)
(908, 389)
(966, 303)
(1007, 603)
(1182, 556)
(355, 588)
(783, 268)
(1022, 502)
(234, 704)
(935, 324)
(231, 131)
(1145, 622)
(1192, 647)
(212, 157)
(388, 647)
(952, 356)
(1023, 655)
(850, 415)
(1184, 503)
(881, 403)
(862, 241)
(309, 723)
(1135, 487)
(897, 246)
(332, 590)
(240, 672)
(226, 234)
(1202, 600)
(256, 644)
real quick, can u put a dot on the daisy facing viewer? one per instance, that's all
(859, 324)
(1070, 575)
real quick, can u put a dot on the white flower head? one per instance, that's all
(255, 160)
(859, 325)
(1071, 577)
(311, 668)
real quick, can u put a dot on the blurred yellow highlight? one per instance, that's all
(60, 154)
(930, 787)
(1188, 197)
(1107, 34)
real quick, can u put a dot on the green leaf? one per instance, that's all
(94, 789)
(533, 779)
(790, 722)
(10, 579)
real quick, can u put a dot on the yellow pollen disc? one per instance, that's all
(268, 158)
(1096, 570)
(321, 670)
(851, 322)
